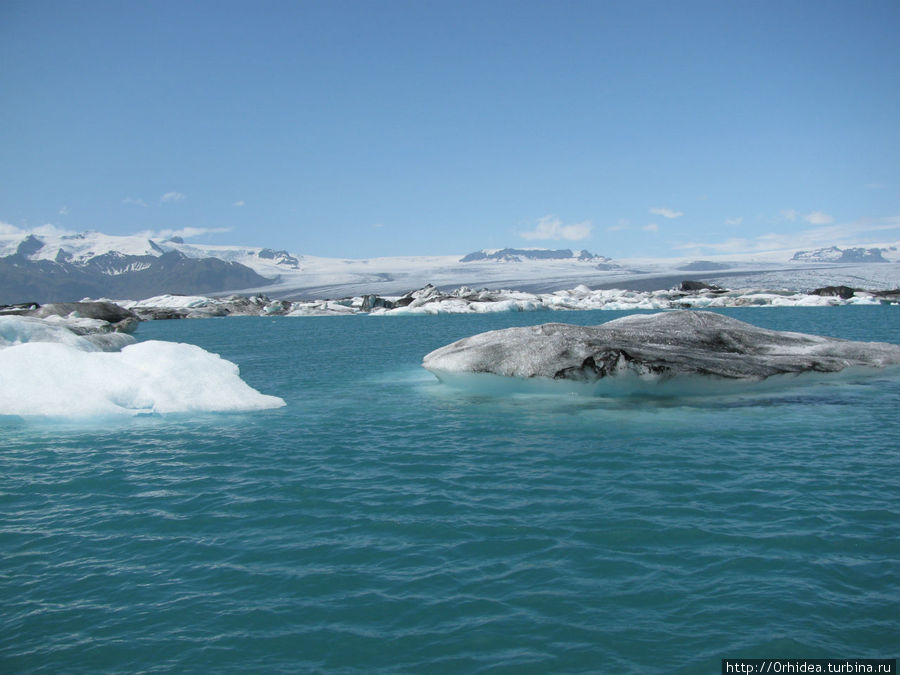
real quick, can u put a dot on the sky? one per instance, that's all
(373, 128)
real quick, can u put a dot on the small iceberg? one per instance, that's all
(680, 352)
(48, 370)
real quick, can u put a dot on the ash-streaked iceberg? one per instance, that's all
(48, 370)
(87, 335)
(641, 351)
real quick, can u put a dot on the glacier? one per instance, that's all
(48, 370)
(636, 353)
(49, 264)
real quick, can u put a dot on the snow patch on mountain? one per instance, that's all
(517, 255)
(833, 254)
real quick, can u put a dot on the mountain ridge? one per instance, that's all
(518, 254)
(67, 276)
(833, 254)
(47, 264)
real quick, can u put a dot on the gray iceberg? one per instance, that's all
(654, 348)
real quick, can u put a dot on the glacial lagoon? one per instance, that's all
(381, 521)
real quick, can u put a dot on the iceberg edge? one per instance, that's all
(640, 352)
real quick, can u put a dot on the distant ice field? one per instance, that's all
(384, 522)
(327, 278)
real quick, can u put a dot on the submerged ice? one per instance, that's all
(653, 349)
(48, 370)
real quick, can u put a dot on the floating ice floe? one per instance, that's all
(48, 370)
(637, 354)
(464, 300)
(202, 307)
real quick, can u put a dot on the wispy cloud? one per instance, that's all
(49, 230)
(239, 203)
(842, 234)
(666, 212)
(789, 215)
(54, 231)
(734, 221)
(551, 227)
(652, 227)
(621, 224)
(41, 230)
(184, 233)
(135, 201)
(818, 218)
(64, 211)
(378, 225)
(173, 197)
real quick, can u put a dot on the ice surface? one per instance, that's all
(15, 330)
(46, 370)
(169, 301)
(321, 278)
(644, 349)
(466, 301)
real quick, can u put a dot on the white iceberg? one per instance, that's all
(46, 370)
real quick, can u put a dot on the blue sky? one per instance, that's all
(360, 129)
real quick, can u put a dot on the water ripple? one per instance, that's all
(376, 525)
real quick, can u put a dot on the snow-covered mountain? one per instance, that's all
(833, 254)
(53, 266)
(517, 255)
(46, 265)
(80, 248)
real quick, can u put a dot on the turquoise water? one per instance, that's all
(382, 522)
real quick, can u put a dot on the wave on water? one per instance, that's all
(50, 371)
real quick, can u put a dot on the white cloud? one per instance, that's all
(64, 211)
(239, 203)
(734, 221)
(818, 218)
(54, 231)
(789, 215)
(874, 186)
(652, 227)
(184, 233)
(378, 225)
(666, 212)
(173, 197)
(42, 230)
(135, 201)
(551, 227)
(621, 224)
(50, 231)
